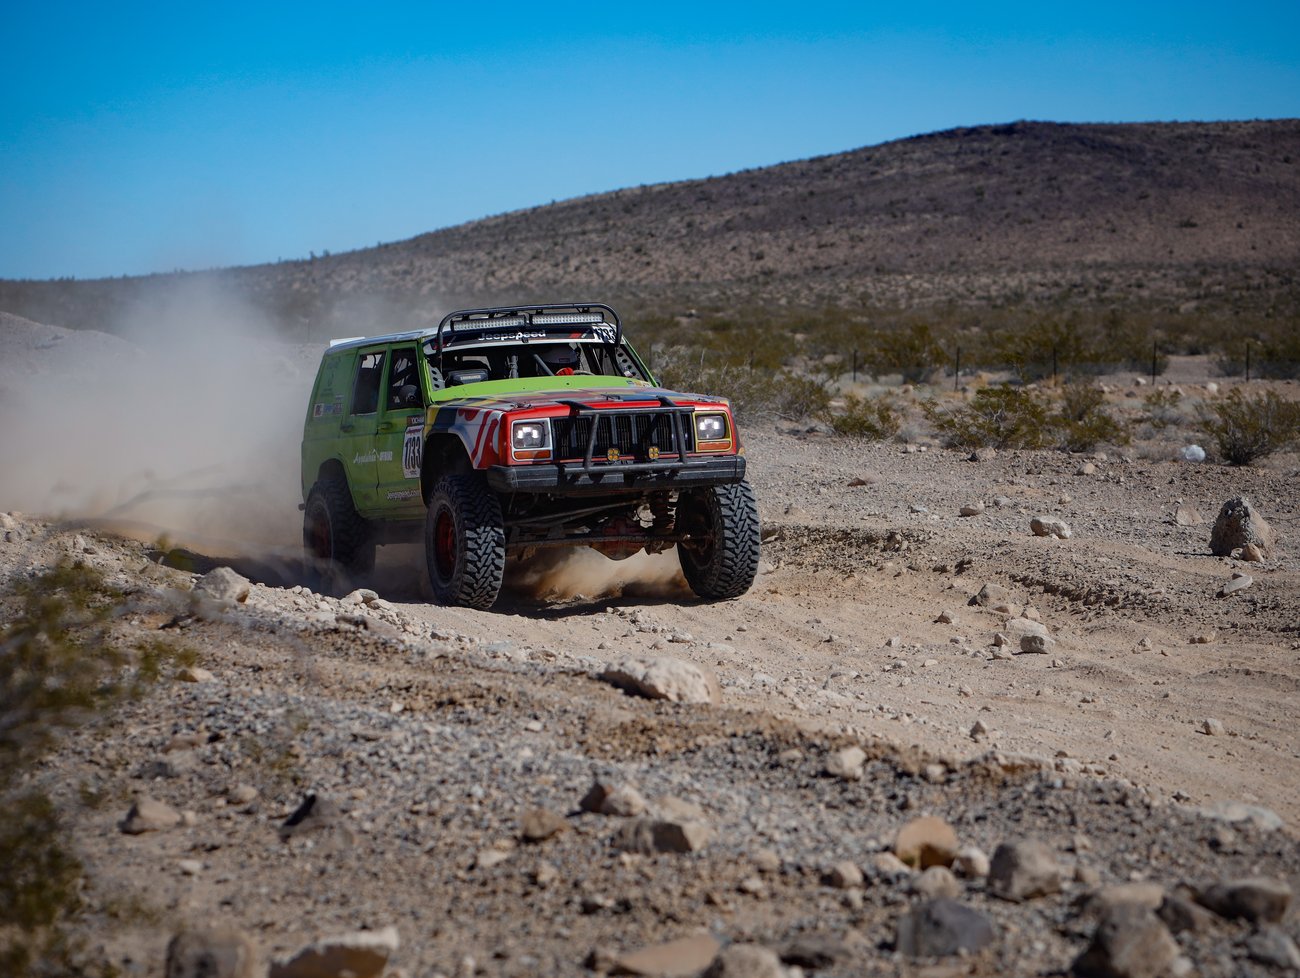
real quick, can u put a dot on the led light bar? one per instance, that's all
(505, 322)
(565, 318)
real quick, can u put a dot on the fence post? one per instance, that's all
(956, 372)
(1155, 353)
(855, 366)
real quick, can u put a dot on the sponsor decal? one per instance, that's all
(318, 411)
(605, 331)
(385, 456)
(365, 459)
(399, 494)
(412, 451)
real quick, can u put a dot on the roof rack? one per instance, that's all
(503, 318)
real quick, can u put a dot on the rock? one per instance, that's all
(1192, 453)
(1181, 915)
(363, 954)
(945, 618)
(936, 882)
(1251, 553)
(925, 842)
(941, 928)
(678, 809)
(675, 959)
(148, 815)
(979, 729)
(193, 674)
(242, 794)
(223, 586)
(362, 595)
(1149, 896)
(622, 800)
(648, 835)
(1050, 526)
(767, 861)
(991, 595)
(316, 813)
(190, 867)
(1087, 468)
(1257, 899)
(845, 875)
(1238, 524)
(1232, 812)
(218, 952)
(813, 951)
(1236, 584)
(1212, 727)
(888, 865)
(540, 824)
(1036, 644)
(664, 678)
(846, 763)
(1023, 870)
(745, 961)
(985, 453)
(1273, 946)
(1188, 516)
(971, 862)
(170, 766)
(1130, 942)
(972, 509)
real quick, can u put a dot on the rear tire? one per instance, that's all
(465, 542)
(720, 560)
(334, 533)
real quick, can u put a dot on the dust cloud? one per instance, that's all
(568, 574)
(184, 423)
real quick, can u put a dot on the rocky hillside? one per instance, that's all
(1160, 216)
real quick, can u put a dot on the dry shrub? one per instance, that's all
(1246, 429)
(1083, 421)
(1001, 417)
(863, 417)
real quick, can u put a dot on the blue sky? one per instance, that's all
(146, 137)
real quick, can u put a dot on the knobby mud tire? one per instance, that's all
(465, 542)
(721, 559)
(338, 541)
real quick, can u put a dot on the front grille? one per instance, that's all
(632, 433)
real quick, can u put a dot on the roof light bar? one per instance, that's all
(505, 322)
(564, 318)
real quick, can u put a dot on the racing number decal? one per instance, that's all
(413, 451)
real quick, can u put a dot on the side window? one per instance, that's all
(365, 391)
(403, 380)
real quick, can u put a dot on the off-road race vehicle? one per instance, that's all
(507, 430)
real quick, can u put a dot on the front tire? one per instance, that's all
(720, 557)
(465, 542)
(334, 533)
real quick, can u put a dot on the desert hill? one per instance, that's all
(1172, 216)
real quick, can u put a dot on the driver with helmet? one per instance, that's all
(559, 359)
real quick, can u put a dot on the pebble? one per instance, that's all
(926, 841)
(847, 763)
(684, 956)
(935, 882)
(941, 928)
(648, 835)
(363, 954)
(1212, 727)
(664, 678)
(218, 952)
(149, 815)
(1050, 526)
(1023, 870)
(971, 862)
(745, 961)
(1257, 899)
(540, 824)
(1130, 942)
(845, 875)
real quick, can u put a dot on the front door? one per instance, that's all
(399, 438)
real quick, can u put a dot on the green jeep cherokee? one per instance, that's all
(510, 429)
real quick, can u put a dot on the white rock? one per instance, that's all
(361, 955)
(664, 678)
(1050, 526)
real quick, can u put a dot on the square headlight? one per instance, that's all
(710, 427)
(530, 435)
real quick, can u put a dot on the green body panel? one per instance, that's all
(530, 385)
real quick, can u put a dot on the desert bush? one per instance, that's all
(1001, 417)
(59, 667)
(1082, 421)
(864, 417)
(1248, 428)
(753, 393)
(1163, 407)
